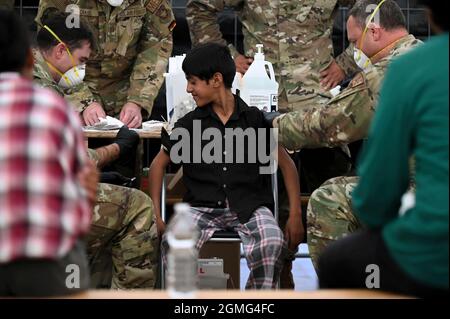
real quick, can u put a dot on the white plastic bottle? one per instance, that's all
(182, 258)
(176, 84)
(258, 88)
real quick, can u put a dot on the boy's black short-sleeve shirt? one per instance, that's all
(211, 184)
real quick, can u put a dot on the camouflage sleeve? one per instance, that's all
(201, 16)
(48, 85)
(80, 97)
(347, 63)
(155, 47)
(344, 119)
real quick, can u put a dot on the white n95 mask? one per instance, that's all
(73, 76)
(362, 60)
(115, 3)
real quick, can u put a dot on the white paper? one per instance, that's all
(105, 124)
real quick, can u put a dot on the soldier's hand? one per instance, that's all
(92, 113)
(332, 76)
(131, 115)
(88, 178)
(242, 63)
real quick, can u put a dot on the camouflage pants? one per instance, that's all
(330, 215)
(122, 243)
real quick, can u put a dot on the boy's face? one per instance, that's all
(201, 91)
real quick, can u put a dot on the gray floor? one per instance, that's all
(305, 277)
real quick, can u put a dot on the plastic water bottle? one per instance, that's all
(182, 259)
(259, 88)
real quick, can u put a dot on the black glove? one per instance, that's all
(127, 140)
(269, 117)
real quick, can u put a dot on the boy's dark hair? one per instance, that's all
(207, 59)
(14, 42)
(73, 37)
(390, 13)
(439, 12)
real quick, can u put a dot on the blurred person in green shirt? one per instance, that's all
(403, 252)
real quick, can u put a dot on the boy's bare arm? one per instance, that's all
(156, 175)
(294, 227)
(107, 154)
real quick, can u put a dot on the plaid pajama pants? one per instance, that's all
(262, 239)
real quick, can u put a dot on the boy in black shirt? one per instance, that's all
(226, 186)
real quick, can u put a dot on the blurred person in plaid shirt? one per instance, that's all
(47, 183)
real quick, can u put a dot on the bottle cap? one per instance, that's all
(259, 55)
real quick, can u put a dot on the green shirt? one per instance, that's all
(412, 119)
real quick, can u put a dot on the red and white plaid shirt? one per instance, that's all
(43, 207)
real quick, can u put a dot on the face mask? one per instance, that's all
(73, 77)
(115, 3)
(362, 60)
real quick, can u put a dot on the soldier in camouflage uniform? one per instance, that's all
(134, 42)
(6, 4)
(341, 120)
(122, 243)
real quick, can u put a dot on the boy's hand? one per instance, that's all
(294, 231)
(160, 226)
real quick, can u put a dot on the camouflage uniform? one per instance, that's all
(296, 36)
(123, 239)
(330, 214)
(122, 242)
(134, 43)
(6, 4)
(342, 120)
